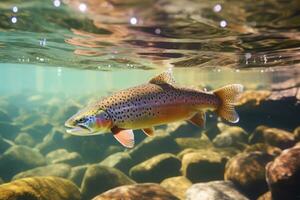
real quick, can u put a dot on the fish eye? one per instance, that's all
(81, 120)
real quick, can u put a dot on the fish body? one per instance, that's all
(151, 105)
(158, 102)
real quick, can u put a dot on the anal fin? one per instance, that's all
(148, 131)
(198, 119)
(124, 136)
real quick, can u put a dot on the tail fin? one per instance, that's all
(228, 95)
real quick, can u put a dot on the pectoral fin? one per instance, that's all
(148, 131)
(199, 119)
(125, 137)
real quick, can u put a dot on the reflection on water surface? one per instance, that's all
(151, 34)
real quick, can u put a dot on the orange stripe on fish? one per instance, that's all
(158, 102)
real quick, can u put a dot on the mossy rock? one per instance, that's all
(145, 191)
(283, 174)
(40, 188)
(215, 190)
(228, 152)
(296, 133)
(17, 159)
(4, 117)
(185, 151)
(112, 149)
(149, 147)
(265, 148)
(177, 186)
(92, 149)
(1, 181)
(247, 170)
(121, 161)
(182, 129)
(231, 136)
(9, 130)
(202, 142)
(58, 170)
(77, 173)
(4, 144)
(52, 141)
(8, 107)
(63, 156)
(25, 139)
(203, 165)
(65, 112)
(98, 179)
(38, 130)
(156, 168)
(26, 118)
(272, 136)
(265, 196)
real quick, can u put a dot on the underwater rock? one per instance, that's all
(66, 111)
(265, 148)
(4, 117)
(185, 151)
(231, 136)
(145, 191)
(203, 165)
(53, 140)
(1, 181)
(283, 115)
(283, 175)
(40, 188)
(38, 130)
(182, 129)
(156, 168)
(177, 186)
(265, 196)
(228, 152)
(77, 173)
(215, 190)
(247, 170)
(194, 142)
(212, 129)
(27, 118)
(92, 149)
(279, 92)
(63, 156)
(98, 179)
(25, 139)
(112, 149)
(58, 170)
(9, 130)
(9, 108)
(272, 136)
(4, 144)
(149, 147)
(17, 159)
(253, 96)
(121, 161)
(297, 134)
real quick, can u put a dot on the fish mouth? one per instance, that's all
(79, 129)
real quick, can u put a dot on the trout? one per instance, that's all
(158, 102)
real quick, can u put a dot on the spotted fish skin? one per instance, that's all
(158, 102)
(155, 104)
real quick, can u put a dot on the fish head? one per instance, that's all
(89, 122)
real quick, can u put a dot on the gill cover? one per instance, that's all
(89, 122)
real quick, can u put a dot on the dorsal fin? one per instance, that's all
(163, 78)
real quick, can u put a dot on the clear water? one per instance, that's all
(59, 54)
